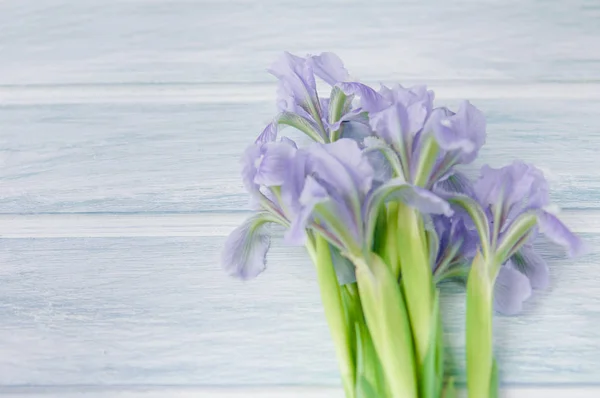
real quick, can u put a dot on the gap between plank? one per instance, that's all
(65, 225)
(262, 392)
(140, 93)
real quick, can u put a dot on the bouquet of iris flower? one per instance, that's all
(386, 216)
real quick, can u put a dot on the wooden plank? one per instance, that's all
(159, 311)
(185, 157)
(262, 392)
(208, 224)
(114, 41)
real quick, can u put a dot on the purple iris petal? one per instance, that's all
(532, 265)
(456, 182)
(329, 67)
(422, 199)
(274, 163)
(512, 288)
(370, 100)
(312, 194)
(349, 155)
(245, 251)
(426, 202)
(391, 123)
(292, 187)
(297, 84)
(454, 235)
(518, 187)
(459, 134)
(335, 173)
(558, 233)
(268, 134)
(250, 157)
(418, 102)
(355, 130)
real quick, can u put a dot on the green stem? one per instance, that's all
(335, 311)
(479, 329)
(416, 276)
(426, 162)
(370, 380)
(387, 320)
(391, 240)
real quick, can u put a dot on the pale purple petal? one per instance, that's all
(342, 166)
(356, 131)
(532, 265)
(274, 164)
(418, 102)
(312, 194)
(453, 234)
(354, 116)
(456, 182)
(512, 288)
(329, 67)
(461, 134)
(292, 187)
(383, 170)
(425, 201)
(370, 100)
(250, 158)
(422, 199)
(268, 134)
(390, 124)
(245, 251)
(348, 153)
(297, 86)
(558, 233)
(518, 187)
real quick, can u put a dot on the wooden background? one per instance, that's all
(121, 126)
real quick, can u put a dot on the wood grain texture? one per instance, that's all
(159, 311)
(185, 157)
(121, 124)
(115, 41)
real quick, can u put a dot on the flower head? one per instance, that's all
(298, 100)
(456, 246)
(508, 212)
(422, 143)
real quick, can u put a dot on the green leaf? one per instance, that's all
(338, 105)
(341, 328)
(449, 390)
(344, 269)
(387, 319)
(417, 280)
(397, 190)
(494, 387)
(427, 159)
(433, 241)
(512, 239)
(479, 219)
(432, 371)
(479, 329)
(370, 378)
(457, 271)
(378, 245)
(376, 144)
(302, 124)
(364, 389)
(391, 243)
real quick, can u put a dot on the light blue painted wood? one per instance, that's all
(159, 311)
(62, 41)
(128, 106)
(185, 157)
